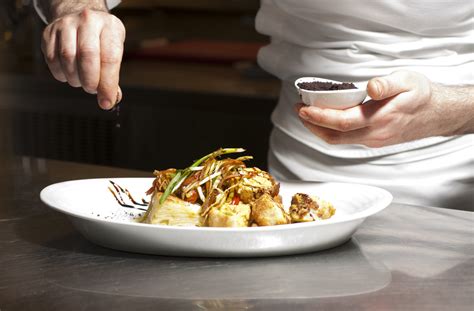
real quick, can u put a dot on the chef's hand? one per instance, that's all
(405, 106)
(85, 49)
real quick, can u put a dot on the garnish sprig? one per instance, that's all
(182, 174)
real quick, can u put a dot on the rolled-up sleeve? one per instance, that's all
(39, 7)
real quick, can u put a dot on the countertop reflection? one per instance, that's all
(406, 257)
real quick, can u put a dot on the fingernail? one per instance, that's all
(119, 96)
(105, 104)
(297, 107)
(378, 88)
(304, 115)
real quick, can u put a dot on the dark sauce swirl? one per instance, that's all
(117, 194)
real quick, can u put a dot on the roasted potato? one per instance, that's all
(229, 215)
(268, 212)
(309, 208)
(255, 183)
(326, 209)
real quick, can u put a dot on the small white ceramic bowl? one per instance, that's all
(338, 99)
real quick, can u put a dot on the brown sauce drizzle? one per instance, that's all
(118, 197)
(133, 200)
(119, 201)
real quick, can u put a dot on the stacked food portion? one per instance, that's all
(224, 192)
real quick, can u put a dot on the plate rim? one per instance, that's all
(387, 200)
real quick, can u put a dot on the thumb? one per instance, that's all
(384, 87)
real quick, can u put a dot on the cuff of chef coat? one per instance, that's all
(40, 10)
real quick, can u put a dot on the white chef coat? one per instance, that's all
(354, 41)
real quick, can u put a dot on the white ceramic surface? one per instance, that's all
(96, 214)
(339, 99)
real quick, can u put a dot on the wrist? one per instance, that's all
(455, 107)
(61, 8)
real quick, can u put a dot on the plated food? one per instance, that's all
(96, 215)
(218, 191)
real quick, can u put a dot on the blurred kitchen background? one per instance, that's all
(189, 77)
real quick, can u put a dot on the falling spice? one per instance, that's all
(117, 114)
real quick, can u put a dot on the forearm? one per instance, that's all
(54, 9)
(455, 106)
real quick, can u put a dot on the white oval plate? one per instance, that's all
(97, 215)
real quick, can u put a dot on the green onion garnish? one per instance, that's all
(181, 175)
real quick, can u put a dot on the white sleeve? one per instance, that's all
(40, 10)
(112, 3)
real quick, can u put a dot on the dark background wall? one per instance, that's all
(153, 129)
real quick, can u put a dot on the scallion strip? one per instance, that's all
(181, 175)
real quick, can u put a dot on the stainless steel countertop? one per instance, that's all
(404, 258)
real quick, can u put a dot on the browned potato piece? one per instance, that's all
(326, 209)
(267, 212)
(278, 199)
(259, 182)
(309, 208)
(303, 208)
(229, 215)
